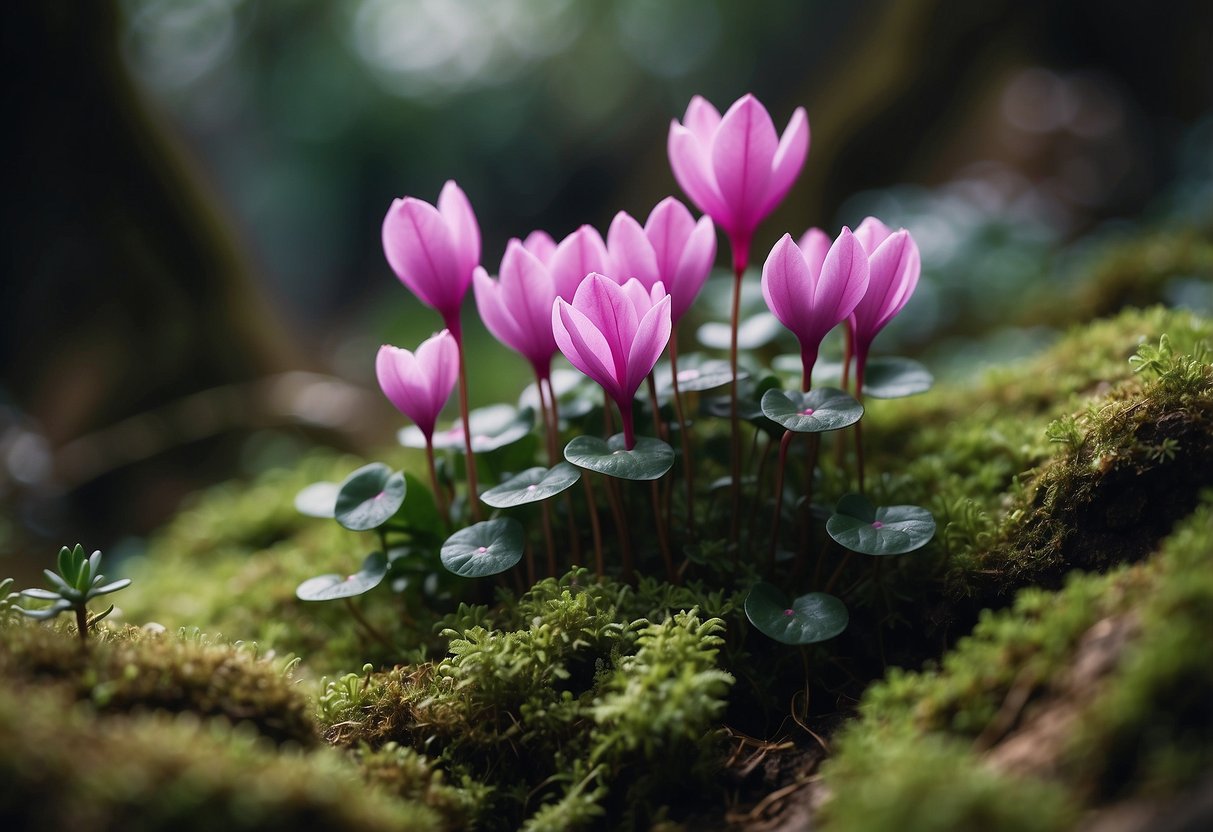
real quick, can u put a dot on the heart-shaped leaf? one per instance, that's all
(493, 427)
(649, 460)
(369, 497)
(879, 530)
(484, 549)
(318, 499)
(892, 377)
(805, 620)
(817, 411)
(330, 587)
(752, 333)
(532, 485)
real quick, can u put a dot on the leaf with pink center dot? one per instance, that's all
(808, 619)
(862, 527)
(649, 460)
(696, 372)
(369, 497)
(485, 548)
(331, 587)
(532, 485)
(817, 411)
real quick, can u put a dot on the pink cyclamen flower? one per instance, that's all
(614, 334)
(895, 265)
(671, 248)
(813, 291)
(540, 244)
(517, 308)
(420, 383)
(735, 167)
(434, 250)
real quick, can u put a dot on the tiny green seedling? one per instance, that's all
(77, 582)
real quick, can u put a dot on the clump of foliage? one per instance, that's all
(78, 581)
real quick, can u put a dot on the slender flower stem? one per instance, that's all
(663, 432)
(807, 517)
(548, 428)
(784, 444)
(453, 324)
(663, 540)
(574, 536)
(444, 510)
(861, 359)
(734, 420)
(621, 527)
(629, 428)
(688, 467)
(595, 526)
(762, 467)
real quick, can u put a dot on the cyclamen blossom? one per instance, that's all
(420, 383)
(517, 308)
(814, 290)
(434, 250)
(576, 256)
(614, 334)
(895, 266)
(671, 248)
(735, 167)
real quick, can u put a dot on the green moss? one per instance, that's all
(131, 669)
(917, 758)
(65, 769)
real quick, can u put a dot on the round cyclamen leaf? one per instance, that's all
(817, 411)
(696, 373)
(805, 620)
(493, 427)
(752, 333)
(892, 377)
(531, 486)
(330, 587)
(369, 497)
(649, 460)
(318, 499)
(879, 530)
(484, 549)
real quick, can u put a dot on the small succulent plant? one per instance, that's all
(77, 582)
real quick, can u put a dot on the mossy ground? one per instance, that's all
(583, 704)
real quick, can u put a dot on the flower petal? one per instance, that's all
(418, 246)
(787, 287)
(871, 233)
(693, 172)
(437, 365)
(540, 244)
(495, 311)
(583, 345)
(693, 268)
(843, 282)
(742, 152)
(528, 289)
(629, 252)
(789, 159)
(895, 267)
(814, 245)
(578, 254)
(701, 119)
(612, 309)
(454, 207)
(668, 227)
(652, 336)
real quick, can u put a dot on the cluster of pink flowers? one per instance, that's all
(610, 306)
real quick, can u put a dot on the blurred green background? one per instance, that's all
(194, 287)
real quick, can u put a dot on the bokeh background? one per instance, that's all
(193, 284)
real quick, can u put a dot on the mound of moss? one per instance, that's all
(1096, 694)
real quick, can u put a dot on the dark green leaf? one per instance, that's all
(493, 427)
(752, 333)
(806, 620)
(369, 497)
(696, 372)
(330, 587)
(532, 485)
(485, 548)
(649, 460)
(821, 410)
(891, 377)
(879, 530)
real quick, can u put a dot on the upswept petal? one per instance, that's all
(629, 252)
(540, 244)
(418, 246)
(454, 207)
(814, 245)
(419, 384)
(578, 254)
(652, 335)
(871, 233)
(693, 267)
(388, 364)
(438, 364)
(895, 267)
(583, 345)
(612, 310)
(668, 227)
(789, 159)
(844, 279)
(701, 119)
(693, 172)
(528, 289)
(494, 310)
(741, 155)
(642, 297)
(787, 286)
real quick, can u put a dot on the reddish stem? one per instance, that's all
(688, 469)
(453, 324)
(439, 496)
(784, 444)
